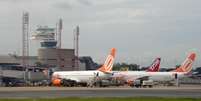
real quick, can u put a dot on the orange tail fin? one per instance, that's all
(107, 66)
(186, 66)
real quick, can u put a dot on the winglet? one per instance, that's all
(155, 66)
(186, 66)
(107, 66)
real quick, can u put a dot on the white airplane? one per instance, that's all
(131, 76)
(61, 77)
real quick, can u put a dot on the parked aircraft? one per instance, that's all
(131, 76)
(70, 78)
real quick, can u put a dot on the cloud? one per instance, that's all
(63, 5)
(85, 2)
(71, 4)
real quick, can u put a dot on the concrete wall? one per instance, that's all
(62, 58)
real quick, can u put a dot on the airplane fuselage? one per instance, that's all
(81, 76)
(155, 76)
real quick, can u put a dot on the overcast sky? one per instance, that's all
(141, 30)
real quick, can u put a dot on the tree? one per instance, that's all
(125, 66)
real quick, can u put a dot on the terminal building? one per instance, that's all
(63, 59)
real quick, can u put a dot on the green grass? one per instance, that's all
(109, 99)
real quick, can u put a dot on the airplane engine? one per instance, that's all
(56, 82)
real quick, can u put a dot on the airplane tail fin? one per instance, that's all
(186, 66)
(107, 66)
(155, 66)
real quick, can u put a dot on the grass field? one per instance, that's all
(109, 99)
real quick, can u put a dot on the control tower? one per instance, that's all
(51, 55)
(46, 36)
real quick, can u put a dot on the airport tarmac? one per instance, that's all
(56, 92)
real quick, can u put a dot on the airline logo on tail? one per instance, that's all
(155, 66)
(107, 66)
(187, 64)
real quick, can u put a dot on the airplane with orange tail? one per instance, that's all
(70, 78)
(185, 68)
